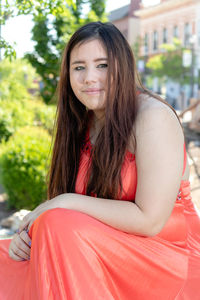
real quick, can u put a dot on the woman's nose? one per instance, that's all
(90, 76)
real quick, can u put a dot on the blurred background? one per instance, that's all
(165, 38)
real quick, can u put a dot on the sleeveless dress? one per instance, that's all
(77, 257)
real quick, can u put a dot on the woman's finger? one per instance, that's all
(14, 256)
(22, 248)
(19, 247)
(25, 237)
(30, 224)
(25, 222)
(22, 226)
(20, 253)
(30, 218)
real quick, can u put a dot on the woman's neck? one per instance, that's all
(96, 125)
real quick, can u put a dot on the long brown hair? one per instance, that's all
(72, 118)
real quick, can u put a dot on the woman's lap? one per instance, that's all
(75, 256)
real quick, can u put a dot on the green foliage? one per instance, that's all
(15, 114)
(32, 7)
(18, 108)
(45, 58)
(53, 8)
(98, 7)
(156, 62)
(169, 63)
(9, 53)
(44, 115)
(16, 78)
(25, 144)
(24, 162)
(51, 32)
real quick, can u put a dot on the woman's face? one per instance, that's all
(88, 74)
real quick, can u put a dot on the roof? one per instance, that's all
(119, 13)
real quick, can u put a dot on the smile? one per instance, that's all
(92, 91)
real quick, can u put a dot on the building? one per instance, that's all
(158, 24)
(125, 20)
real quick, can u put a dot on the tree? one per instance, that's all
(54, 23)
(169, 63)
(13, 8)
(51, 32)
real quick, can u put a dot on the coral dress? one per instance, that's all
(77, 257)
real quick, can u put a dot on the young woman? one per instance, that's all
(120, 223)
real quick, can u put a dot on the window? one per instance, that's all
(164, 35)
(186, 34)
(155, 40)
(146, 44)
(175, 31)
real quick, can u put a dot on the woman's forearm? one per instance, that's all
(123, 215)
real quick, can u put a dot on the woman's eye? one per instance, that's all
(79, 68)
(102, 66)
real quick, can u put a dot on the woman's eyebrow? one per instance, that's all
(95, 60)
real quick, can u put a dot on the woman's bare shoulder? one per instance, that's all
(148, 103)
(152, 109)
(152, 115)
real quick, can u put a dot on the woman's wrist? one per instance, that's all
(60, 201)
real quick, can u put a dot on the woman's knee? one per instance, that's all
(58, 219)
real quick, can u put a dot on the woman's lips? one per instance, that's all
(92, 91)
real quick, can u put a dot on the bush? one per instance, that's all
(17, 78)
(24, 161)
(44, 114)
(16, 114)
(19, 108)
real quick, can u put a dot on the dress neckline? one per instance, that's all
(88, 146)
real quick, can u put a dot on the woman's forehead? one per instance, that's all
(89, 47)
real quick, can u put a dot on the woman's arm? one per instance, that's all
(122, 215)
(159, 160)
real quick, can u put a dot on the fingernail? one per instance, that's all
(29, 243)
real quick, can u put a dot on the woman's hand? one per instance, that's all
(20, 245)
(30, 217)
(19, 248)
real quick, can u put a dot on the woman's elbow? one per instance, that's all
(153, 229)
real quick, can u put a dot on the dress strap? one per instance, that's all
(185, 159)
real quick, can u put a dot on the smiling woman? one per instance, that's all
(119, 222)
(88, 74)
